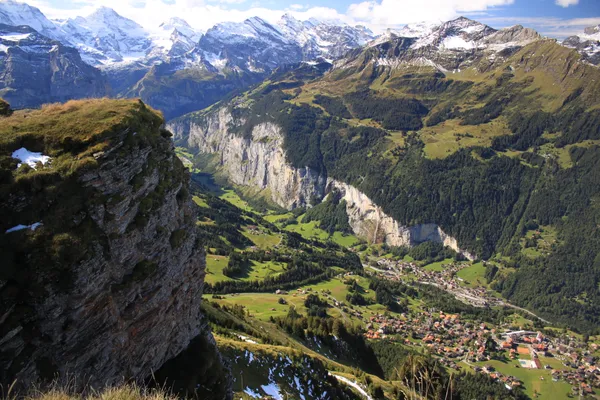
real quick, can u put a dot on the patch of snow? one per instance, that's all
(473, 28)
(417, 30)
(252, 393)
(19, 227)
(15, 37)
(215, 60)
(456, 42)
(250, 355)
(595, 36)
(3, 48)
(353, 384)
(30, 157)
(299, 387)
(244, 338)
(272, 390)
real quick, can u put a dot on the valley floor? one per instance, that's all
(263, 306)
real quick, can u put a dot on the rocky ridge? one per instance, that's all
(587, 44)
(450, 46)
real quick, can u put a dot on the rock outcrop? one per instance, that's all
(258, 161)
(108, 286)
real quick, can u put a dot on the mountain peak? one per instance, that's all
(104, 12)
(289, 17)
(466, 24)
(17, 14)
(592, 30)
(175, 22)
(416, 29)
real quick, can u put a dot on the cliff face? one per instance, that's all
(105, 280)
(370, 222)
(259, 162)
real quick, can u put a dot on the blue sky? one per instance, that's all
(555, 18)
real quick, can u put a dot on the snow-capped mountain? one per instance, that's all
(323, 38)
(253, 45)
(461, 33)
(587, 44)
(174, 38)
(35, 69)
(256, 45)
(448, 46)
(107, 37)
(592, 33)
(16, 14)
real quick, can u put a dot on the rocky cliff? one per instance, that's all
(259, 161)
(369, 221)
(102, 271)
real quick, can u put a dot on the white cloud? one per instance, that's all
(566, 3)
(397, 12)
(376, 14)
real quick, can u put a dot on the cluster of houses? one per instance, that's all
(443, 334)
(454, 340)
(446, 279)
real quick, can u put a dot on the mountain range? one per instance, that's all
(179, 69)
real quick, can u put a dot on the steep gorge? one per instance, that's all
(259, 161)
(103, 271)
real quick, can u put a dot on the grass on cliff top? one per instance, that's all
(124, 392)
(74, 125)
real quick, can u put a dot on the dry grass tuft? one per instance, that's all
(129, 391)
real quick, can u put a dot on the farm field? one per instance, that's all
(474, 275)
(534, 380)
(257, 270)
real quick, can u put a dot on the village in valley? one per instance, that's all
(479, 333)
(505, 352)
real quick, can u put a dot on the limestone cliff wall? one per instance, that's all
(259, 161)
(370, 222)
(125, 296)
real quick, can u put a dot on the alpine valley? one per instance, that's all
(297, 210)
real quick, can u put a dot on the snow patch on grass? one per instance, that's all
(30, 158)
(353, 384)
